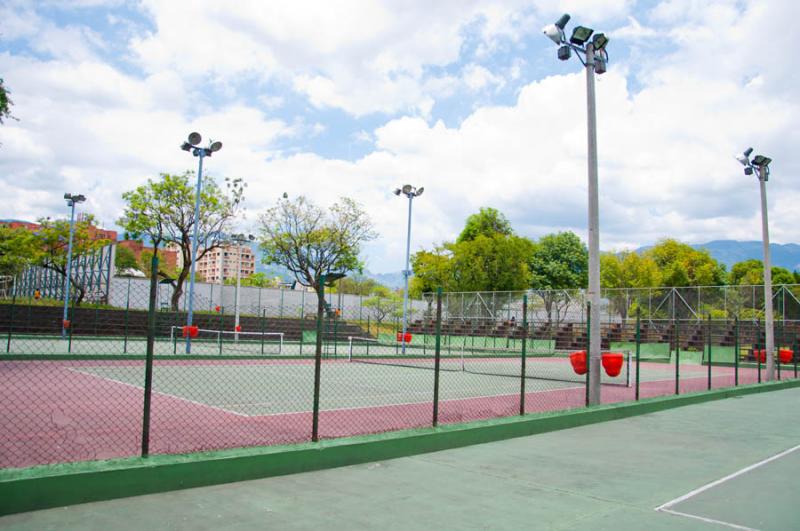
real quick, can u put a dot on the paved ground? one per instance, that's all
(604, 476)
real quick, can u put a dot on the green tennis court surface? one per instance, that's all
(728, 463)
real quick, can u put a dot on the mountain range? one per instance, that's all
(727, 252)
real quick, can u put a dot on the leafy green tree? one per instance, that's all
(626, 270)
(53, 238)
(487, 222)
(491, 263)
(751, 273)
(356, 285)
(124, 259)
(432, 270)
(5, 102)
(382, 307)
(311, 242)
(682, 265)
(163, 209)
(19, 248)
(559, 266)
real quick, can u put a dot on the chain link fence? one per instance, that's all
(88, 390)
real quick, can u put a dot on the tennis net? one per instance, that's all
(229, 342)
(539, 365)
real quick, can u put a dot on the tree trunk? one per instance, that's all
(176, 294)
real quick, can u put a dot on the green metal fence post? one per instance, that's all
(736, 351)
(638, 346)
(778, 351)
(302, 322)
(708, 333)
(524, 355)
(11, 321)
(677, 356)
(758, 348)
(588, 346)
(318, 359)
(127, 308)
(221, 327)
(437, 356)
(795, 354)
(263, 318)
(148, 366)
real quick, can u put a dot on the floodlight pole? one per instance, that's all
(71, 203)
(200, 153)
(769, 333)
(238, 287)
(406, 272)
(594, 233)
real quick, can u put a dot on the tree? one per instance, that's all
(5, 102)
(431, 271)
(626, 270)
(497, 262)
(310, 242)
(383, 307)
(357, 285)
(488, 222)
(19, 248)
(256, 280)
(751, 273)
(682, 265)
(124, 259)
(53, 239)
(165, 207)
(559, 265)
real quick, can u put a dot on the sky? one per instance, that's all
(463, 97)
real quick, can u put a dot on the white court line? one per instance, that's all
(160, 393)
(666, 506)
(708, 520)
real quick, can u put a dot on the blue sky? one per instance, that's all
(465, 98)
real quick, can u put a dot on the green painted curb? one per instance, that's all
(42, 487)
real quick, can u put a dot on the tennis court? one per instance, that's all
(58, 410)
(729, 463)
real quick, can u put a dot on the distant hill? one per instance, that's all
(730, 252)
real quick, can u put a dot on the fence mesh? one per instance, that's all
(76, 391)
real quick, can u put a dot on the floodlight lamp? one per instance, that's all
(748, 170)
(580, 35)
(195, 138)
(742, 158)
(186, 146)
(80, 198)
(599, 41)
(419, 191)
(561, 23)
(67, 196)
(407, 189)
(564, 53)
(397, 191)
(761, 161)
(216, 146)
(748, 151)
(599, 65)
(554, 33)
(251, 237)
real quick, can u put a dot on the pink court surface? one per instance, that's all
(62, 411)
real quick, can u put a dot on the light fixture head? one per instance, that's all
(186, 146)
(397, 191)
(600, 65)
(419, 191)
(554, 33)
(251, 237)
(216, 146)
(761, 161)
(285, 195)
(67, 196)
(580, 35)
(564, 53)
(407, 189)
(561, 23)
(80, 198)
(195, 138)
(748, 170)
(742, 158)
(599, 41)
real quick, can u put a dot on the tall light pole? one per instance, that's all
(199, 152)
(759, 166)
(410, 192)
(72, 200)
(595, 59)
(239, 239)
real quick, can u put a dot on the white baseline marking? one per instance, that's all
(666, 506)
(160, 393)
(708, 520)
